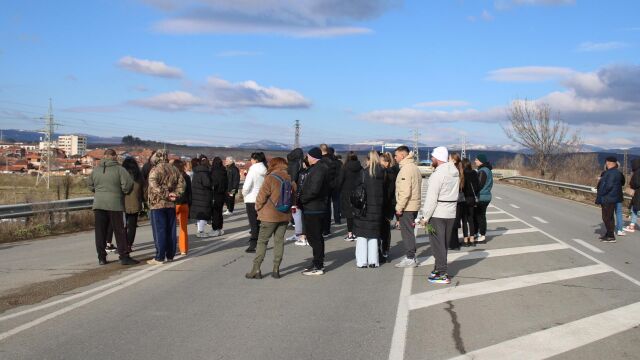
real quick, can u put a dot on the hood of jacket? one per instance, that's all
(635, 165)
(408, 160)
(487, 165)
(105, 163)
(201, 168)
(295, 155)
(449, 169)
(259, 168)
(353, 166)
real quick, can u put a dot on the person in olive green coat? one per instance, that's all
(110, 182)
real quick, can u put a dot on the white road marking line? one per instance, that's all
(482, 254)
(398, 341)
(506, 232)
(120, 281)
(501, 220)
(514, 206)
(541, 220)
(498, 197)
(430, 298)
(495, 212)
(588, 246)
(560, 339)
(588, 256)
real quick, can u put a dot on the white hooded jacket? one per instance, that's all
(253, 182)
(442, 193)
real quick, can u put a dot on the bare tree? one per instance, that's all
(533, 126)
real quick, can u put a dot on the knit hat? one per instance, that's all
(482, 158)
(315, 153)
(440, 153)
(612, 159)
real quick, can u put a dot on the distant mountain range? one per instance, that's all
(29, 136)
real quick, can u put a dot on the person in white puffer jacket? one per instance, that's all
(252, 183)
(440, 210)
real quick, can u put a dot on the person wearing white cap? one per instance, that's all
(440, 210)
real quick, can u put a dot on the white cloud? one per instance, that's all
(172, 101)
(149, 67)
(217, 94)
(309, 18)
(601, 46)
(414, 117)
(443, 103)
(486, 16)
(529, 74)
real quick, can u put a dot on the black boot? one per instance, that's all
(128, 261)
(276, 272)
(102, 261)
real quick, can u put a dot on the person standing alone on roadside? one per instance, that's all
(110, 182)
(233, 177)
(608, 195)
(313, 197)
(485, 178)
(408, 199)
(440, 210)
(166, 185)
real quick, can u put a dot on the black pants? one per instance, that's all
(337, 211)
(454, 241)
(326, 218)
(385, 236)
(132, 225)
(481, 217)
(231, 202)
(216, 212)
(468, 223)
(103, 219)
(350, 224)
(313, 227)
(608, 217)
(439, 241)
(254, 224)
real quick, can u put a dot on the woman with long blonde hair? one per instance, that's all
(366, 224)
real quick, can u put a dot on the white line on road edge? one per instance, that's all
(120, 281)
(500, 220)
(430, 298)
(399, 339)
(482, 254)
(544, 344)
(588, 246)
(588, 256)
(498, 197)
(514, 206)
(511, 231)
(541, 220)
(495, 212)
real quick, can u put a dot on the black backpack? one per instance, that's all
(358, 198)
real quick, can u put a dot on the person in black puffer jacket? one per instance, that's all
(367, 227)
(219, 183)
(295, 169)
(351, 175)
(328, 159)
(634, 184)
(201, 194)
(390, 169)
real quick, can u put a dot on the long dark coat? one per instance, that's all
(390, 176)
(369, 226)
(219, 183)
(350, 176)
(201, 193)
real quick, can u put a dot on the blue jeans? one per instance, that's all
(634, 217)
(163, 222)
(619, 222)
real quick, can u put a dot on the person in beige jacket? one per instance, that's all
(408, 196)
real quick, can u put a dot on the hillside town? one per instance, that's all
(70, 154)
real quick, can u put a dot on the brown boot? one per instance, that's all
(254, 273)
(276, 272)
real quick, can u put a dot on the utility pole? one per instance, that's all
(296, 141)
(47, 157)
(416, 148)
(624, 165)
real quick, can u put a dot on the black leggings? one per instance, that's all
(132, 225)
(350, 225)
(481, 217)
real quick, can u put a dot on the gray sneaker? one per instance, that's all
(406, 262)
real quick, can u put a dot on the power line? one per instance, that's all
(416, 148)
(296, 141)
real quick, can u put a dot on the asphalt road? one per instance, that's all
(543, 286)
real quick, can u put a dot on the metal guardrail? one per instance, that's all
(26, 210)
(558, 184)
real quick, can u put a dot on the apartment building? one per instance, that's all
(73, 144)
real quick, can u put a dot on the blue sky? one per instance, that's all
(224, 72)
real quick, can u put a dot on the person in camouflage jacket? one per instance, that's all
(166, 184)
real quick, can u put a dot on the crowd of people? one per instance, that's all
(312, 190)
(610, 197)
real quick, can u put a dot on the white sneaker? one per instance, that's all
(630, 228)
(621, 233)
(227, 213)
(301, 242)
(292, 238)
(215, 233)
(406, 262)
(350, 238)
(481, 238)
(201, 234)
(312, 272)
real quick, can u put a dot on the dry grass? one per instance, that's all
(21, 188)
(41, 226)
